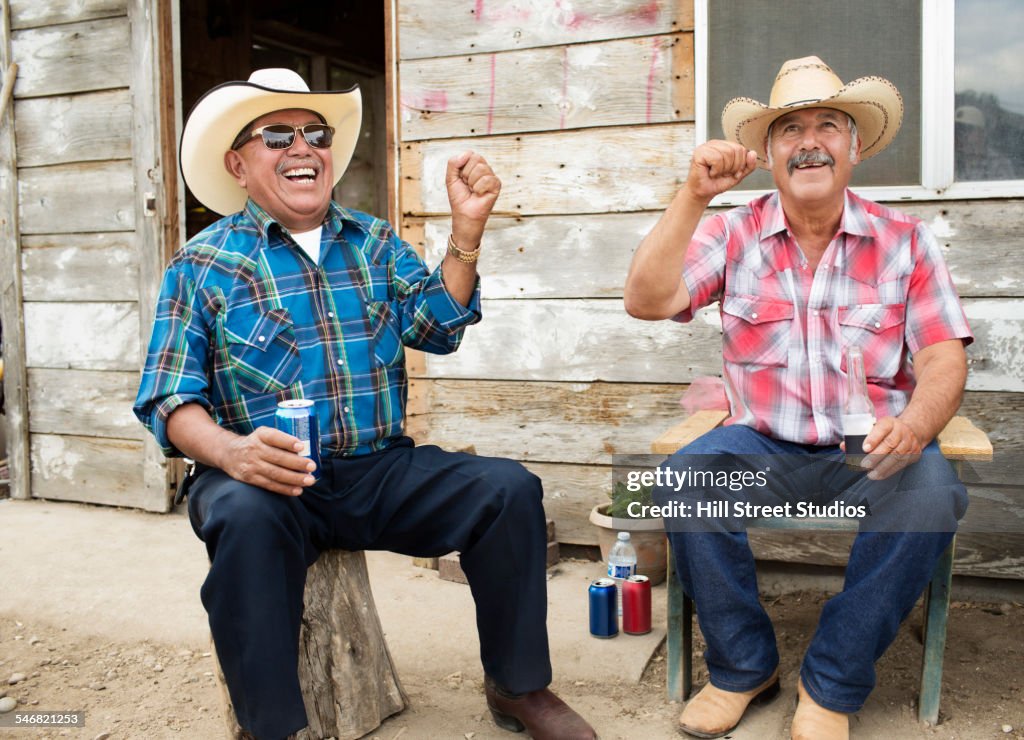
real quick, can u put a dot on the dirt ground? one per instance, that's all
(142, 689)
(131, 685)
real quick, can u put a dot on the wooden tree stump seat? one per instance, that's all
(349, 683)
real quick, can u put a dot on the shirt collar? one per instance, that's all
(335, 220)
(855, 219)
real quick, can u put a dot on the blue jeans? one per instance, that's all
(887, 571)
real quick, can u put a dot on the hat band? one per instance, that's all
(801, 102)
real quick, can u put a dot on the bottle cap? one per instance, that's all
(623, 536)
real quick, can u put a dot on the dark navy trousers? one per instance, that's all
(419, 501)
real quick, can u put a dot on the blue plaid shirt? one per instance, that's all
(245, 319)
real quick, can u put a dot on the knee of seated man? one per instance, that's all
(929, 490)
(935, 473)
(249, 509)
(512, 481)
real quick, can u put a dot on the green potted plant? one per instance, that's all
(647, 533)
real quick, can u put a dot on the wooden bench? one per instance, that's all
(348, 679)
(960, 441)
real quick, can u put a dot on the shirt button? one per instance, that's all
(878, 324)
(817, 313)
(753, 315)
(341, 362)
(345, 409)
(262, 338)
(330, 314)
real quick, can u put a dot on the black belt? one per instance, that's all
(194, 470)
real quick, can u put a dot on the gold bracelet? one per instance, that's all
(460, 254)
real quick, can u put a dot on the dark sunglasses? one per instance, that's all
(282, 135)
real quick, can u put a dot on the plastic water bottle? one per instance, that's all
(621, 564)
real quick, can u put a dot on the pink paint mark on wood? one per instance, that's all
(478, 11)
(647, 15)
(652, 75)
(427, 101)
(490, 104)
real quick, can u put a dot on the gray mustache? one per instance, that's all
(811, 157)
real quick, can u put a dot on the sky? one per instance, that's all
(990, 49)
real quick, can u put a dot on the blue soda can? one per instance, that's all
(604, 611)
(297, 417)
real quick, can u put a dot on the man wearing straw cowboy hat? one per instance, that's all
(291, 295)
(801, 273)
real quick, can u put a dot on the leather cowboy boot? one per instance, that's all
(813, 722)
(540, 713)
(714, 712)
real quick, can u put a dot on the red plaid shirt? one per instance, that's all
(881, 284)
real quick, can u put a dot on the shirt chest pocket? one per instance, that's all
(262, 353)
(382, 314)
(756, 331)
(878, 329)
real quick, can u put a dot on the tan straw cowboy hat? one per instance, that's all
(873, 102)
(224, 111)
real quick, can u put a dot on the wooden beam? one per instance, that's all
(393, 129)
(587, 256)
(30, 14)
(608, 83)
(681, 434)
(92, 470)
(100, 50)
(150, 134)
(14, 376)
(89, 403)
(61, 199)
(578, 423)
(82, 336)
(74, 128)
(601, 170)
(78, 267)
(503, 26)
(961, 440)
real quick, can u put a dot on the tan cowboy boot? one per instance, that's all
(813, 722)
(714, 712)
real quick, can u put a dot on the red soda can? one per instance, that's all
(636, 605)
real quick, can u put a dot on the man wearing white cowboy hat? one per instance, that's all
(291, 296)
(801, 274)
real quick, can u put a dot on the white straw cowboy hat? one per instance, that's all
(224, 111)
(873, 102)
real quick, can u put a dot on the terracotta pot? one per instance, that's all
(646, 535)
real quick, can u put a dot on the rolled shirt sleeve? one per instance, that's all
(431, 319)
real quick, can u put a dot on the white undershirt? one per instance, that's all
(310, 242)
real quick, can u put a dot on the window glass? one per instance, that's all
(748, 42)
(989, 90)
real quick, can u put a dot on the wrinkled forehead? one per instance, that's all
(811, 114)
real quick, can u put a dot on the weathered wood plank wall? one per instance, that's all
(587, 116)
(77, 105)
(555, 101)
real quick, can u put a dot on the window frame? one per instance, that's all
(937, 104)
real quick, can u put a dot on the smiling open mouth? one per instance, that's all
(809, 160)
(300, 174)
